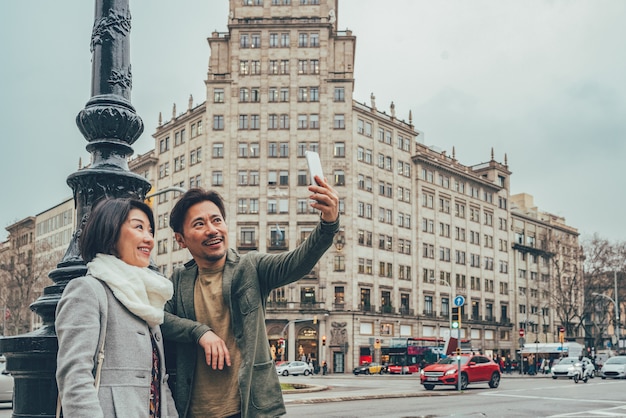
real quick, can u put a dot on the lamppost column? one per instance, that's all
(110, 125)
(616, 303)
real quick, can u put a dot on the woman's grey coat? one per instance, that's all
(127, 369)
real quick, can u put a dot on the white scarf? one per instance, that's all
(140, 290)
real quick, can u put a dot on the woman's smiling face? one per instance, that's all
(136, 239)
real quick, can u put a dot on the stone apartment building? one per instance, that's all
(418, 227)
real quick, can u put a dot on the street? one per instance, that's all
(516, 397)
(402, 396)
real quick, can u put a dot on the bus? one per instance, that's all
(407, 355)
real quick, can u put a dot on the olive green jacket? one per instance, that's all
(247, 282)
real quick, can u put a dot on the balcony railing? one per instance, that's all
(273, 244)
(406, 311)
(366, 308)
(428, 313)
(248, 245)
(339, 306)
(386, 309)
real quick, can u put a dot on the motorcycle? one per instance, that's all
(582, 373)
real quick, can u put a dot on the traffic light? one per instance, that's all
(323, 340)
(458, 351)
(456, 317)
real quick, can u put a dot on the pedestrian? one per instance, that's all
(507, 364)
(117, 306)
(217, 314)
(324, 368)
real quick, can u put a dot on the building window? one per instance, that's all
(218, 150)
(340, 149)
(340, 95)
(218, 122)
(218, 95)
(339, 122)
(314, 121)
(218, 178)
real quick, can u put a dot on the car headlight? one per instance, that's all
(451, 371)
(421, 372)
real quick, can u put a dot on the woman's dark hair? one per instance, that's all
(187, 200)
(102, 229)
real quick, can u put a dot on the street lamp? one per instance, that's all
(110, 125)
(617, 332)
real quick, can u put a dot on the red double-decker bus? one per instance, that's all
(407, 355)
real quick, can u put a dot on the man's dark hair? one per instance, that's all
(190, 198)
(102, 229)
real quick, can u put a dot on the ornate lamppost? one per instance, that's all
(110, 125)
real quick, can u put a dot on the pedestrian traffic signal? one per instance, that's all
(561, 335)
(323, 340)
(456, 317)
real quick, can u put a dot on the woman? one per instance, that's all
(120, 301)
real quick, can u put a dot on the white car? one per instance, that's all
(295, 368)
(6, 382)
(614, 367)
(568, 366)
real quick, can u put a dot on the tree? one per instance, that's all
(602, 259)
(22, 277)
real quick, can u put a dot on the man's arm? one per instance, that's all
(183, 330)
(275, 270)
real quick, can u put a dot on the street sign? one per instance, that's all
(521, 332)
(459, 300)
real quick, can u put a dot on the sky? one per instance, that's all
(540, 81)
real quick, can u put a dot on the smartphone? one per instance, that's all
(315, 165)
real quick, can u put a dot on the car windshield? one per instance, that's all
(616, 360)
(452, 360)
(568, 360)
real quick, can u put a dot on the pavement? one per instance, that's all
(337, 388)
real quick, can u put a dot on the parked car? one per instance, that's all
(474, 369)
(397, 369)
(568, 367)
(369, 368)
(6, 382)
(295, 368)
(614, 367)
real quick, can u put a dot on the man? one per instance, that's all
(224, 365)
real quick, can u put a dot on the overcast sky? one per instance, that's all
(540, 81)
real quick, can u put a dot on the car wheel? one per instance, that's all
(381, 371)
(306, 372)
(495, 380)
(429, 387)
(603, 377)
(367, 371)
(464, 381)
(554, 377)
(285, 373)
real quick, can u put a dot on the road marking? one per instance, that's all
(618, 411)
(550, 398)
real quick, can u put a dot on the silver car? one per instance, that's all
(295, 368)
(614, 367)
(569, 366)
(6, 382)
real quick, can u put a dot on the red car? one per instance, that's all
(397, 369)
(474, 369)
